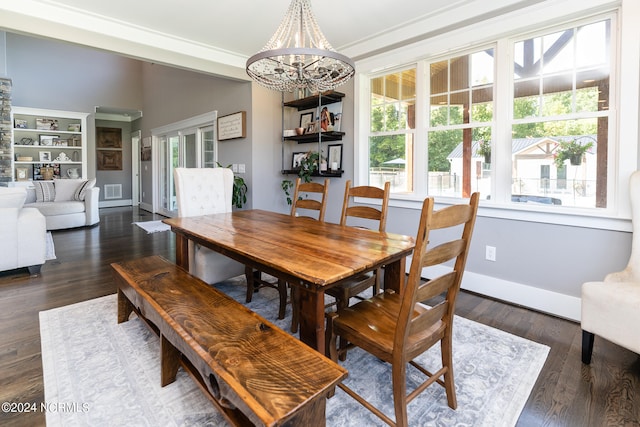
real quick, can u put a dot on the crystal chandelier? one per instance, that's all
(298, 56)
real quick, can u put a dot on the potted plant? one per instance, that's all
(484, 149)
(239, 196)
(572, 151)
(308, 165)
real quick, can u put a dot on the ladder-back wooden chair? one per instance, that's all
(396, 328)
(378, 216)
(255, 280)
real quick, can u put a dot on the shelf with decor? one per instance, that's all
(49, 139)
(314, 119)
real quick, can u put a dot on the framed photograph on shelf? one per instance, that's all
(45, 156)
(46, 124)
(47, 140)
(305, 119)
(22, 174)
(20, 124)
(312, 127)
(296, 161)
(57, 142)
(335, 157)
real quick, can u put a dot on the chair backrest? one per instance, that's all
(203, 191)
(299, 202)
(459, 220)
(366, 212)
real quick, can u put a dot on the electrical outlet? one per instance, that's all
(490, 253)
(241, 168)
(234, 167)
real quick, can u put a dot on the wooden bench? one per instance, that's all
(253, 372)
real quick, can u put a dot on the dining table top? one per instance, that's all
(319, 254)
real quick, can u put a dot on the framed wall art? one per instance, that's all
(232, 126)
(109, 160)
(108, 137)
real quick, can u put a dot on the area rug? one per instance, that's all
(153, 226)
(50, 251)
(109, 374)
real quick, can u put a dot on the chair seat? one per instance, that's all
(380, 313)
(610, 310)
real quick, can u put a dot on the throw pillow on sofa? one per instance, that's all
(45, 191)
(82, 189)
(72, 189)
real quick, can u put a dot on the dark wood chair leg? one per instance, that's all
(587, 346)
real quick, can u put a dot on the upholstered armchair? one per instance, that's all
(23, 232)
(611, 308)
(204, 191)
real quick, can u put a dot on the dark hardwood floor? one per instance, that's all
(567, 393)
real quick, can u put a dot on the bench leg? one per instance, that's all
(169, 361)
(125, 308)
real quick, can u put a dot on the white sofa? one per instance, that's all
(23, 232)
(65, 203)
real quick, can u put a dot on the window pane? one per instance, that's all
(454, 169)
(546, 172)
(556, 75)
(390, 160)
(392, 120)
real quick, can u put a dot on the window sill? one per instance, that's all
(574, 217)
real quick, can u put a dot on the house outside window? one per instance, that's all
(503, 138)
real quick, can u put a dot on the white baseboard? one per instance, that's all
(554, 303)
(146, 207)
(115, 203)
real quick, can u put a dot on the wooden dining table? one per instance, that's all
(306, 253)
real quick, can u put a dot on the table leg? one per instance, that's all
(182, 251)
(394, 275)
(312, 318)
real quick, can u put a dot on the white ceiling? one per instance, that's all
(218, 36)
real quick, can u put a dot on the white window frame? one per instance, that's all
(624, 83)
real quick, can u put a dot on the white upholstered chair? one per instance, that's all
(611, 308)
(23, 232)
(204, 191)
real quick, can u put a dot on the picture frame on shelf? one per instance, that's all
(296, 160)
(73, 127)
(57, 142)
(312, 127)
(47, 140)
(335, 157)
(19, 123)
(45, 156)
(22, 174)
(305, 119)
(46, 124)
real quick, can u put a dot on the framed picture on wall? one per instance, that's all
(108, 137)
(109, 160)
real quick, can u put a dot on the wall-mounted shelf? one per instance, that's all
(315, 137)
(292, 119)
(327, 174)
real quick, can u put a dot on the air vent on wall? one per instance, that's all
(113, 191)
